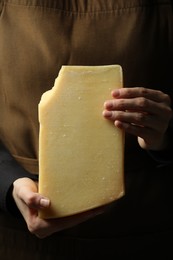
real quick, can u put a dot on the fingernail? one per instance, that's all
(44, 202)
(108, 105)
(115, 93)
(107, 113)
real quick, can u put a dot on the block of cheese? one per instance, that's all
(80, 152)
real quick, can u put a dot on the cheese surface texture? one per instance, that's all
(80, 152)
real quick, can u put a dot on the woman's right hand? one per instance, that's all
(29, 201)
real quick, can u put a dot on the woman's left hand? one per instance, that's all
(142, 112)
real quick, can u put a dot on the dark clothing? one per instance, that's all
(36, 39)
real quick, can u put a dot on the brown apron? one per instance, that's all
(36, 39)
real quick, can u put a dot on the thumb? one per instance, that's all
(26, 191)
(35, 200)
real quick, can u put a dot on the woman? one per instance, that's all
(36, 39)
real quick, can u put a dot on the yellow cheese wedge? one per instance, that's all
(80, 152)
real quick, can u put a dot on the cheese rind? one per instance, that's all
(80, 153)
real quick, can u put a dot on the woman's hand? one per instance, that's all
(142, 112)
(29, 201)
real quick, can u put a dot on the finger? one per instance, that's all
(147, 134)
(155, 95)
(137, 118)
(139, 104)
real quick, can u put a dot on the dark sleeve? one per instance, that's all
(165, 157)
(10, 171)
